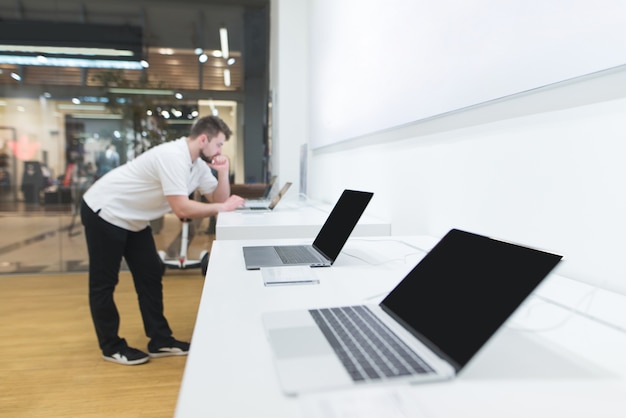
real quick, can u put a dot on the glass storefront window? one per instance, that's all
(51, 151)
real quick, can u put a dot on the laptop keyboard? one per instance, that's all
(293, 254)
(365, 346)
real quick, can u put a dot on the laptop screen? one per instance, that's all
(279, 196)
(341, 221)
(268, 189)
(464, 289)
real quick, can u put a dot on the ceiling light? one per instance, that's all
(157, 92)
(70, 62)
(95, 116)
(16, 76)
(227, 77)
(65, 50)
(203, 58)
(224, 42)
(70, 44)
(78, 106)
(230, 61)
(197, 51)
(180, 122)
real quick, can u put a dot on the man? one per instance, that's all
(116, 211)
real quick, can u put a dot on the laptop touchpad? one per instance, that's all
(299, 342)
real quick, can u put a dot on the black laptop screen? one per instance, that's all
(341, 221)
(464, 289)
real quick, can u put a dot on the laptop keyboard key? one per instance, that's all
(294, 254)
(365, 346)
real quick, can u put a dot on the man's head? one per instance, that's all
(215, 132)
(210, 126)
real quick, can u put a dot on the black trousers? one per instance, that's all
(106, 245)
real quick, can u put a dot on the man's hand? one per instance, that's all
(219, 163)
(232, 203)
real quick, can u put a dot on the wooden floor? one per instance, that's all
(50, 363)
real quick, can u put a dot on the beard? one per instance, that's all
(205, 158)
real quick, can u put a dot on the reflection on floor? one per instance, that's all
(44, 241)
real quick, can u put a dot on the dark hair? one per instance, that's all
(211, 126)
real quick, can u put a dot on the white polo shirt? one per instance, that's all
(134, 193)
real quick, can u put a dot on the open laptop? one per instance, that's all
(265, 205)
(327, 244)
(438, 317)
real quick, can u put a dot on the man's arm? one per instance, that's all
(185, 208)
(222, 191)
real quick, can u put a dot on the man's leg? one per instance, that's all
(145, 265)
(105, 245)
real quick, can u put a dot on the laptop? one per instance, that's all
(265, 205)
(268, 189)
(327, 244)
(437, 318)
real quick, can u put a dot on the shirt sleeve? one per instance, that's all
(207, 182)
(173, 174)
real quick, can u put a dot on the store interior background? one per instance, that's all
(55, 119)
